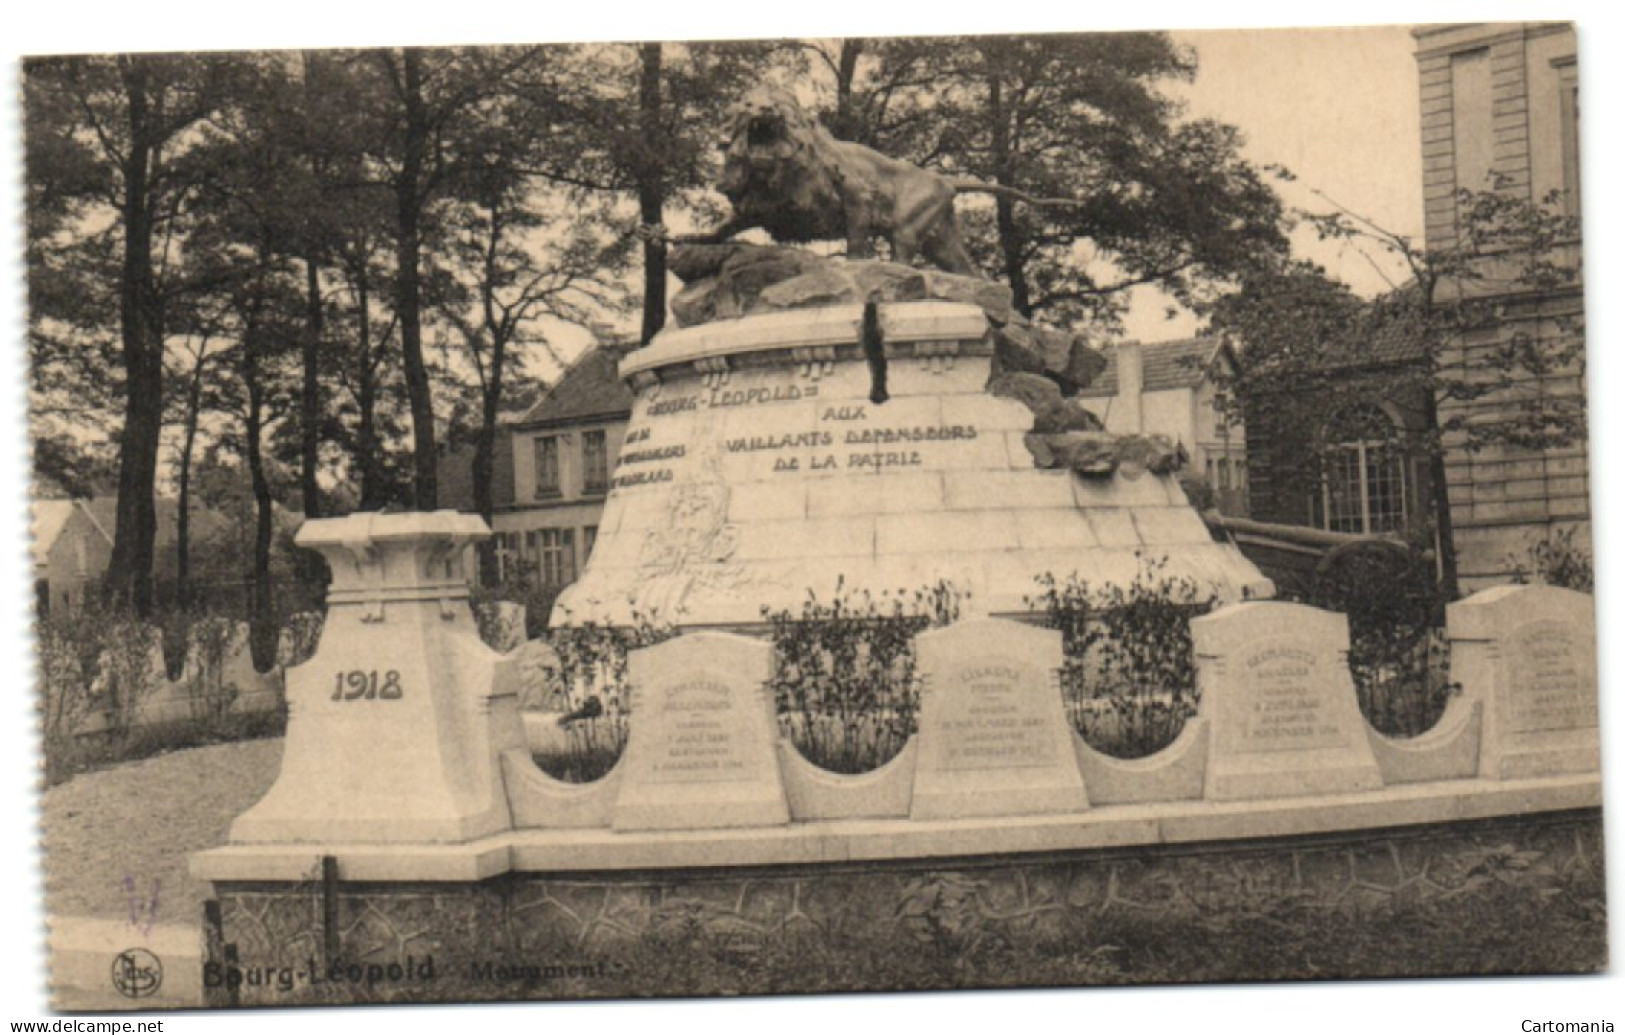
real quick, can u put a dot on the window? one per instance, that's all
(507, 556)
(547, 465)
(558, 556)
(594, 463)
(1568, 92)
(589, 539)
(1362, 469)
(1472, 127)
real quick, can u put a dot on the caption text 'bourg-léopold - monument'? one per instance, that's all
(816, 422)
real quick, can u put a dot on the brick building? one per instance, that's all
(1500, 109)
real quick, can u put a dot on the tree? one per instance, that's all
(194, 364)
(122, 141)
(1161, 201)
(645, 121)
(430, 103)
(1299, 334)
(506, 283)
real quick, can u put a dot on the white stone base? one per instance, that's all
(753, 475)
(1105, 826)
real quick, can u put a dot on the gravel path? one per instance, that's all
(141, 821)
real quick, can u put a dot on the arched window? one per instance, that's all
(1362, 473)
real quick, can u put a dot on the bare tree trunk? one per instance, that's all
(1004, 209)
(651, 191)
(845, 125)
(183, 516)
(408, 301)
(310, 396)
(129, 572)
(260, 617)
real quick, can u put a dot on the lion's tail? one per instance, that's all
(972, 185)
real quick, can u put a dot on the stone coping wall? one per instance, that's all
(446, 789)
(1508, 895)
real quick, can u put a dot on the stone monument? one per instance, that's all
(701, 752)
(813, 421)
(400, 669)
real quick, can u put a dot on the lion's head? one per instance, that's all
(771, 131)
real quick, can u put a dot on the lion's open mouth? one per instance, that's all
(765, 130)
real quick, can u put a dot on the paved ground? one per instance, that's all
(116, 845)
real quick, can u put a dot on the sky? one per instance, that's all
(1343, 124)
(1336, 107)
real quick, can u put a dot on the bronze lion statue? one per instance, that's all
(786, 174)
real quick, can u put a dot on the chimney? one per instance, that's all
(1130, 386)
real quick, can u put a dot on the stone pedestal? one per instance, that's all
(394, 732)
(1275, 684)
(758, 466)
(1529, 654)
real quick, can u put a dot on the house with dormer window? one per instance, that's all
(551, 473)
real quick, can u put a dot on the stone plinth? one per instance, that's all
(757, 467)
(1275, 684)
(994, 740)
(394, 732)
(701, 753)
(1529, 654)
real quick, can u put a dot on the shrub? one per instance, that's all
(845, 686)
(524, 587)
(1557, 560)
(99, 668)
(1128, 674)
(1398, 654)
(501, 628)
(593, 674)
(211, 640)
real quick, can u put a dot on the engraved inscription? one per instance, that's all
(995, 718)
(1553, 686)
(1287, 707)
(700, 745)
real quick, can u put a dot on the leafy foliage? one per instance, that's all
(844, 682)
(595, 687)
(1560, 559)
(1398, 654)
(1154, 198)
(1128, 676)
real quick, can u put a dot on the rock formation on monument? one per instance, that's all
(784, 173)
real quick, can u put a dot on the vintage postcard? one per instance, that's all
(545, 521)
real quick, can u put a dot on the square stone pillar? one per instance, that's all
(394, 728)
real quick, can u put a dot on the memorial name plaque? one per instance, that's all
(701, 753)
(1275, 684)
(1529, 653)
(994, 739)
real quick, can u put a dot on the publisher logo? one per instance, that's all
(137, 973)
